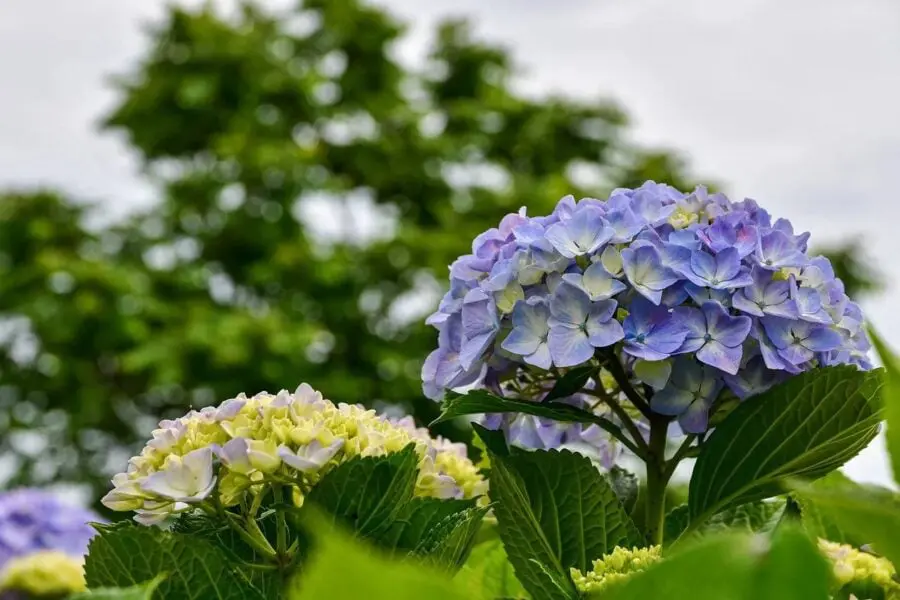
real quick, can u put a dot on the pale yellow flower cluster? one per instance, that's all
(222, 454)
(850, 566)
(615, 567)
(44, 573)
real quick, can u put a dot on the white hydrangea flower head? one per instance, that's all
(223, 454)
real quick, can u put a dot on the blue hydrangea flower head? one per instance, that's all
(697, 298)
(33, 520)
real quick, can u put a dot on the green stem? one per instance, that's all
(657, 479)
(640, 445)
(615, 368)
(683, 451)
(281, 531)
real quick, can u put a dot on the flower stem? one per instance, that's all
(657, 479)
(640, 444)
(613, 365)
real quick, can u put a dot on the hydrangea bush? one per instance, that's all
(633, 332)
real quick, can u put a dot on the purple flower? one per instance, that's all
(554, 283)
(777, 250)
(625, 224)
(730, 231)
(754, 378)
(649, 206)
(596, 282)
(577, 325)
(442, 369)
(720, 272)
(689, 395)
(583, 233)
(766, 297)
(651, 332)
(704, 294)
(480, 325)
(714, 335)
(797, 342)
(32, 520)
(531, 328)
(809, 306)
(644, 269)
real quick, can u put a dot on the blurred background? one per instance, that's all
(202, 199)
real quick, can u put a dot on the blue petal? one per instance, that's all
(569, 347)
(569, 305)
(720, 356)
(603, 334)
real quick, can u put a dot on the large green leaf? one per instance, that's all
(144, 591)
(755, 517)
(792, 569)
(806, 427)
(556, 511)
(418, 520)
(891, 395)
(488, 574)
(342, 568)
(861, 514)
(729, 567)
(239, 553)
(125, 555)
(449, 542)
(715, 569)
(817, 523)
(368, 494)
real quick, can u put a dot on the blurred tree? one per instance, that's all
(313, 190)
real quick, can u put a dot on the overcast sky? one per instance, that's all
(792, 102)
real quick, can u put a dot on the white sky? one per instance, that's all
(792, 102)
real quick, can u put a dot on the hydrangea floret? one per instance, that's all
(33, 520)
(233, 454)
(615, 567)
(853, 567)
(689, 295)
(43, 574)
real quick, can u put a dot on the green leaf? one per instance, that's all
(368, 494)
(862, 514)
(239, 553)
(570, 383)
(418, 519)
(891, 395)
(449, 542)
(342, 568)
(816, 522)
(806, 427)
(125, 555)
(754, 517)
(625, 484)
(494, 441)
(556, 511)
(144, 591)
(727, 567)
(677, 520)
(792, 569)
(478, 402)
(718, 568)
(488, 574)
